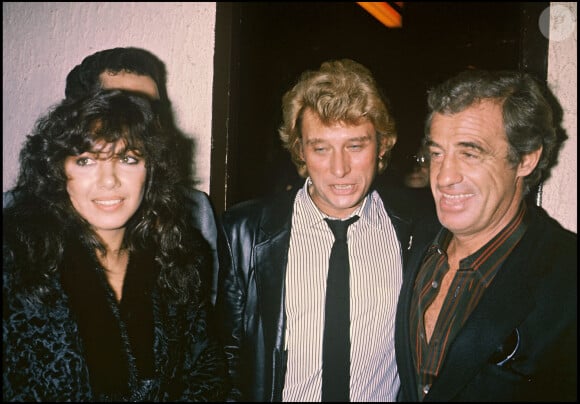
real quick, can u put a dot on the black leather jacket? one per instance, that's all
(204, 219)
(253, 242)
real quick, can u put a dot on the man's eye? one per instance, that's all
(469, 155)
(434, 155)
(355, 147)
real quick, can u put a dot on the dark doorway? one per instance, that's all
(261, 48)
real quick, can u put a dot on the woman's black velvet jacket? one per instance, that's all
(46, 349)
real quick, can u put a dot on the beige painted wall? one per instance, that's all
(560, 197)
(43, 41)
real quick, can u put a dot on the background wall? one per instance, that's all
(560, 196)
(42, 42)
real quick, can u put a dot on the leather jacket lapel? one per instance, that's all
(271, 259)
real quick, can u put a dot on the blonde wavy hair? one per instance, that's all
(339, 91)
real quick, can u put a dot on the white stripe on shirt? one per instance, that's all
(375, 282)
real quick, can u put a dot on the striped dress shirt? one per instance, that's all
(375, 282)
(474, 275)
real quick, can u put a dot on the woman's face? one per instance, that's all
(106, 187)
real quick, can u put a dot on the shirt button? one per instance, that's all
(426, 388)
(434, 284)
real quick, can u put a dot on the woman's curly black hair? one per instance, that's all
(42, 217)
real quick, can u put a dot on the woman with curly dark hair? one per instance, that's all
(101, 280)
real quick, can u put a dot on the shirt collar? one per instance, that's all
(493, 252)
(307, 213)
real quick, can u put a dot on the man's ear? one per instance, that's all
(529, 162)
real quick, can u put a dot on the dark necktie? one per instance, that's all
(336, 340)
